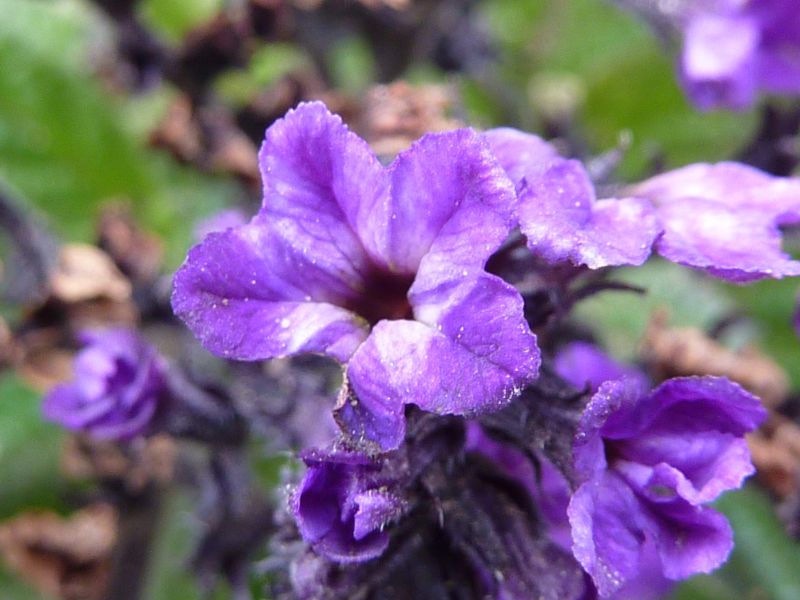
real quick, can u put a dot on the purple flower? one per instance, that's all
(559, 213)
(119, 383)
(725, 219)
(735, 48)
(582, 364)
(381, 268)
(648, 464)
(343, 504)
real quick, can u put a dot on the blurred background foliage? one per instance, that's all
(68, 143)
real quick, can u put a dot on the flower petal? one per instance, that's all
(724, 218)
(696, 426)
(250, 293)
(451, 207)
(521, 154)
(608, 531)
(562, 220)
(470, 351)
(324, 179)
(690, 539)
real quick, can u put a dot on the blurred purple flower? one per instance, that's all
(380, 268)
(725, 219)
(119, 383)
(583, 364)
(559, 213)
(735, 48)
(648, 463)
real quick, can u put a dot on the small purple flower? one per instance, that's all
(559, 213)
(735, 48)
(648, 464)
(380, 268)
(344, 503)
(119, 383)
(725, 219)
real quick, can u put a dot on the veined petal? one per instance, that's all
(325, 179)
(470, 351)
(452, 206)
(248, 293)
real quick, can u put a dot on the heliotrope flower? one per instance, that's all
(559, 213)
(648, 463)
(735, 48)
(118, 385)
(379, 267)
(725, 219)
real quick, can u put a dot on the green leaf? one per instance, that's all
(174, 18)
(765, 562)
(621, 318)
(29, 451)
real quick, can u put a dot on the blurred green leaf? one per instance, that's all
(619, 73)
(174, 18)
(67, 145)
(771, 303)
(621, 318)
(29, 451)
(352, 65)
(765, 562)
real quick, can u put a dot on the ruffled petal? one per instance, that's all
(470, 351)
(724, 219)
(563, 222)
(251, 293)
(608, 531)
(452, 206)
(324, 181)
(690, 539)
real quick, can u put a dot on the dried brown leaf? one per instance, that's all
(139, 254)
(85, 272)
(135, 465)
(775, 450)
(395, 115)
(68, 558)
(681, 351)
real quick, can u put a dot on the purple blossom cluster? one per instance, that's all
(470, 454)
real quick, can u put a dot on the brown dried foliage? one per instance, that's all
(682, 351)
(134, 465)
(68, 558)
(395, 115)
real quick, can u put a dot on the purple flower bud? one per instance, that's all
(119, 383)
(344, 503)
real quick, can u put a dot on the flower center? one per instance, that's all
(385, 296)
